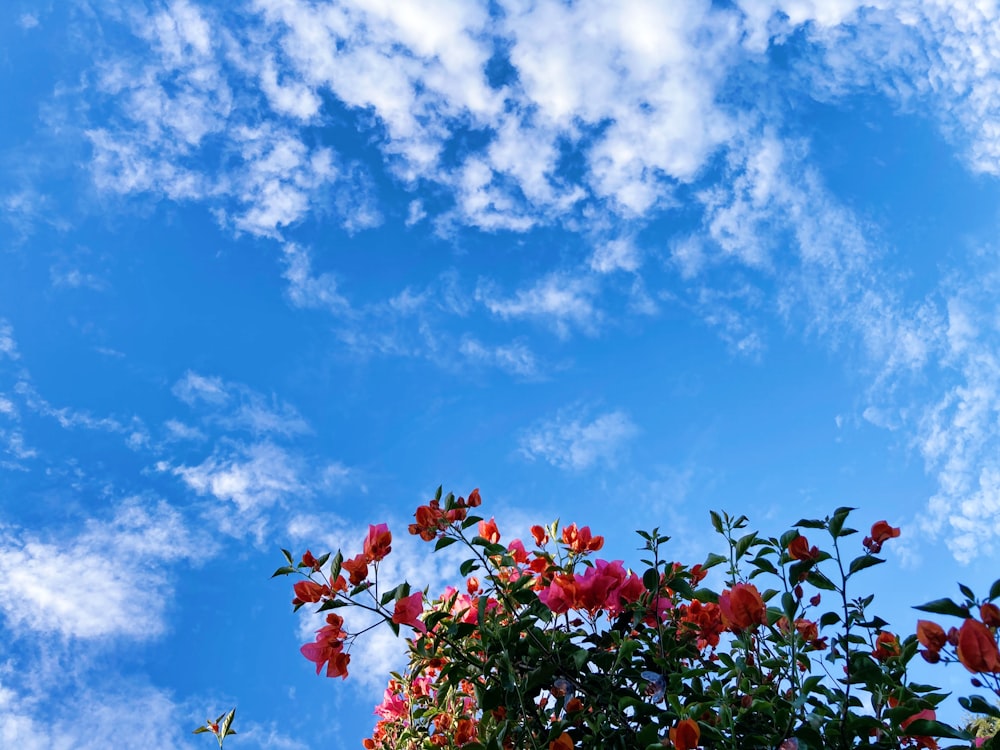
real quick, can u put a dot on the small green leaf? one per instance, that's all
(820, 581)
(744, 542)
(288, 556)
(944, 607)
(967, 592)
(445, 541)
(995, 589)
(283, 571)
(864, 561)
(338, 561)
(716, 521)
(712, 560)
(468, 566)
(808, 523)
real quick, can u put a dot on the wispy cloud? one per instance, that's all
(574, 440)
(8, 347)
(560, 300)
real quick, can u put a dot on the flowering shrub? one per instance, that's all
(550, 646)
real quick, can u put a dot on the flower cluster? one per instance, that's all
(545, 645)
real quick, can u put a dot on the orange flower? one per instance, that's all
(562, 742)
(798, 549)
(886, 646)
(488, 530)
(931, 635)
(310, 591)
(580, 540)
(540, 536)
(742, 607)
(685, 735)
(977, 650)
(881, 532)
(465, 732)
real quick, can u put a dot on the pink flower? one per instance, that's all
(378, 543)
(408, 610)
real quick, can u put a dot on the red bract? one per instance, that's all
(742, 607)
(886, 646)
(931, 635)
(310, 591)
(357, 568)
(328, 648)
(378, 543)
(798, 549)
(990, 615)
(881, 533)
(977, 649)
(539, 535)
(408, 610)
(685, 735)
(580, 541)
(488, 530)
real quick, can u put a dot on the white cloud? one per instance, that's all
(92, 720)
(570, 440)
(307, 290)
(8, 348)
(118, 586)
(235, 406)
(616, 255)
(515, 358)
(252, 477)
(558, 299)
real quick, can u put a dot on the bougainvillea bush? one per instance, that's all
(547, 645)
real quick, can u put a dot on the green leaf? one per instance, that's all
(199, 730)
(995, 589)
(651, 580)
(820, 581)
(445, 541)
(978, 705)
(837, 521)
(224, 727)
(944, 607)
(864, 561)
(712, 560)
(716, 521)
(338, 561)
(288, 556)
(929, 728)
(967, 592)
(829, 618)
(468, 566)
(808, 523)
(744, 542)
(283, 571)
(789, 605)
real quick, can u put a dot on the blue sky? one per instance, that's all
(273, 270)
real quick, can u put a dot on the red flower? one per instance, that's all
(990, 615)
(931, 635)
(977, 650)
(465, 732)
(540, 536)
(357, 567)
(408, 610)
(580, 541)
(742, 607)
(488, 530)
(378, 543)
(309, 561)
(562, 742)
(474, 500)
(886, 646)
(798, 549)
(685, 735)
(926, 742)
(329, 648)
(310, 591)
(881, 532)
